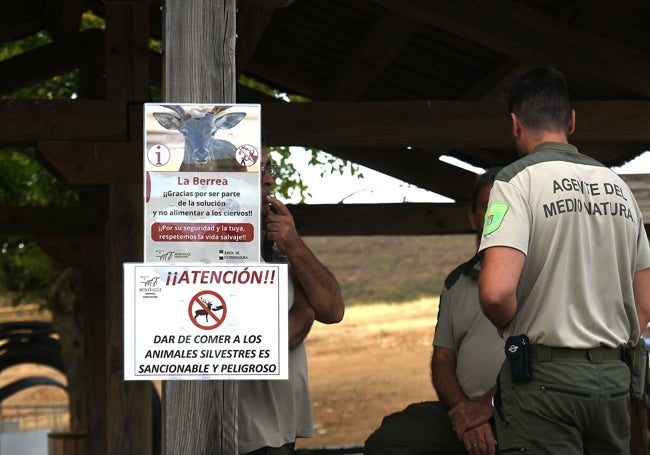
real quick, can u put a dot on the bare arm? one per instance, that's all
(320, 287)
(443, 377)
(641, 287)
(498, 282)
(469, 418)
(301, 318)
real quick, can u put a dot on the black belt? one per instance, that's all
(543, 353)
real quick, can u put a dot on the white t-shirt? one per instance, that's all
(274, 413)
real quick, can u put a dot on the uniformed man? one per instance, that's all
(466, 358)
(565, 279)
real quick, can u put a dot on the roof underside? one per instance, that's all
(369, 58)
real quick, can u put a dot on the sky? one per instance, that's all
(375, 187)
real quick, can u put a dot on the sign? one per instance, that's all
(202, 182)
(205, 321)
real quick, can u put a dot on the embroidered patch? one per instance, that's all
(494, 216)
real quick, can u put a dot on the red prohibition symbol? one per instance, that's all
(207, 306)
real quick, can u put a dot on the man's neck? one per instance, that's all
(544, 137)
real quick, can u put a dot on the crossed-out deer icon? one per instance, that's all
(206, 311)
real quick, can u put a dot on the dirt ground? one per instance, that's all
(376, 361)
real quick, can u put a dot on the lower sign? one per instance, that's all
(204, 321)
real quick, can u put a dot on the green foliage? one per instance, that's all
(25, 269)
(289, 181)
(91, 20)
(26, 183)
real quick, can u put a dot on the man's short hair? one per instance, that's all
(487, 178)
(540, 98)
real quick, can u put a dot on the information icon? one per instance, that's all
(158, 155)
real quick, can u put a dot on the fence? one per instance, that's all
(29, 417)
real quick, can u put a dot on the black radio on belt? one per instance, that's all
(518, 353)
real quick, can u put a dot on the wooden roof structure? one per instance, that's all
(393, 85)
(389, 84)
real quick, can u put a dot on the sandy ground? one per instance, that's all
(376, 361)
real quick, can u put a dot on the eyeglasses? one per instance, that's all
(270, 168)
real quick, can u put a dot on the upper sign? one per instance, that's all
(202, 182)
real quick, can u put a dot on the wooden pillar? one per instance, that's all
(199, 417)
(128, 428)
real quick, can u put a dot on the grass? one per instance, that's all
(392, 269)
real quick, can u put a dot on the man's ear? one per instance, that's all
(572, 123)
(516, 125)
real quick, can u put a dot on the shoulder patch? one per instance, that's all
(494, 216)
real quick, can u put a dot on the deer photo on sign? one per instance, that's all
(203, 152)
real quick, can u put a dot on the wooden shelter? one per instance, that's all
(393, 85)
(390, 84)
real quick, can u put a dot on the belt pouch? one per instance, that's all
(518, 354)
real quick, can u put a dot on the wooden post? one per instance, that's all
(128, 426)
(199, 417)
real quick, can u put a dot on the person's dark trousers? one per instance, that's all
(571, 406)
(639, 429)
(419, 429)
(287, 449)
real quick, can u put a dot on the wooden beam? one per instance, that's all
(53, 59)
(374, 53)
(25, 17)
(27, 121)
(284, 79)
(127, 50)
(79, 250)
(438, 125)
(381, 219)
(528, 36)
(434, 127)
(484, 157)
(65, 17)
(94, 163)
(597, 15)
(418, 167)
(66, 231)
(62, 221)
(495, 85)
(251, 25)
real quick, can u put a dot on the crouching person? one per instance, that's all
(466, 359)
